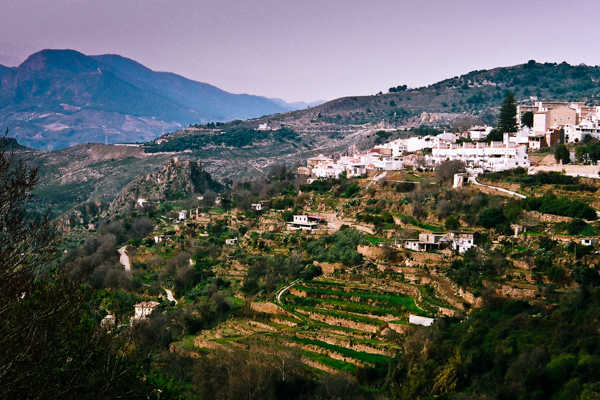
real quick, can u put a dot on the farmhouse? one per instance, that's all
(426, 242)
(462, 241)
(143, 310)
(306, 222)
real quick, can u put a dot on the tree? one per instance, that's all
(527, 119)
(51, 344)
(562, 155)
(507, 120)
(446, 170)
(492, 218)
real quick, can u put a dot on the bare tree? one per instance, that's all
(446, 170)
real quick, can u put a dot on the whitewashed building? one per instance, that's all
(479, 132)
(144, 309)
(462, 241)
(495, 156)
(327, 170)
(418, 320)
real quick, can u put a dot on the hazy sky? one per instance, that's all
(307, 49)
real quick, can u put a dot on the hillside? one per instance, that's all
(338, 309)
(454, 103)
(60, 98)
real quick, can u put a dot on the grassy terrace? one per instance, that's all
(369, 342)
(357, 355)
(329, 362)
(347, 306)
(345, 315)
(390, 299)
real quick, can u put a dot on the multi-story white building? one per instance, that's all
(477, 133)
(576, 133)
(327, 170)
(397, 146)
(495, 156)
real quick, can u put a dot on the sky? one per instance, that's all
(308, 50)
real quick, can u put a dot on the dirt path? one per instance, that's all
(170, 296)
(510, 192)
(124, 258)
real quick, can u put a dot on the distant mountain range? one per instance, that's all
(60, 98)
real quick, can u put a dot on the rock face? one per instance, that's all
(177, 180)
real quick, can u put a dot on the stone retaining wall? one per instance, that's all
(268, 308)
(346, 323)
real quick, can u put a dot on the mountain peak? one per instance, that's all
(50, 59)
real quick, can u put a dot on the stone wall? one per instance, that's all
(547, 217)
(330, 268)
(399, 328)
(371, 252)
(348, 344)
(268, 308)
(516, 292)
(346, 323)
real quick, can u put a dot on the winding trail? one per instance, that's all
(278, 300)
(124, 258)
(170, 296)
(510, 192)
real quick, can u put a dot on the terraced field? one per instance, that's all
(338, 322)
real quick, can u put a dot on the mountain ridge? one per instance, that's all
(59, 98)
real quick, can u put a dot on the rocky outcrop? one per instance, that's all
(85, 214)
(177, 180)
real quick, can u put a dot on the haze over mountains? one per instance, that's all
(59, 98)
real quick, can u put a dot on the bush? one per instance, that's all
(492, 218)
(551, 204)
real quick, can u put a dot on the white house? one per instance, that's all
(305, 222)
(426, 242)
(477, 133)
(417, 320)
(462, 241)
(576, 133)
(182, 216)
(419, 143)
(589, 241)
(231, 242)
(328, 169)
(397, 146)
(144, 309)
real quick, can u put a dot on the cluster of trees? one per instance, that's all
(336, 248)
(551, 204)
(279, 179)
(345, 188)
(508, 349)
(377, 220)
(233, 136)
(399, 88)
(51, 343)
(476, 267)
(588, 151)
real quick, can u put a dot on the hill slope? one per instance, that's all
(59, 98)
(454, 102)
